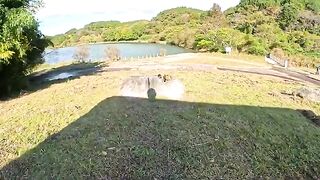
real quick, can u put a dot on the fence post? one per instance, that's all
(286, 64)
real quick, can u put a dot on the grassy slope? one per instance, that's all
(219, 59)
(226, 126)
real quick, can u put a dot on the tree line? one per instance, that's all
(254, 27)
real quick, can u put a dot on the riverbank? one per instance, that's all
(229, 124)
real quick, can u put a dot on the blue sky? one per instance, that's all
(58, 16)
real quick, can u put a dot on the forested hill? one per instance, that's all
(290, 28)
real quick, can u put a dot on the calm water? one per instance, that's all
(127, 50)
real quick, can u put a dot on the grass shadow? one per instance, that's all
(76, 70)
(45, 78)
(134, 138)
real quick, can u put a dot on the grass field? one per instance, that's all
(228, 125)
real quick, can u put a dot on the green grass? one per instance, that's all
(227, 126)
(242, 56)
(219, 59)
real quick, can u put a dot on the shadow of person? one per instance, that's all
(152, 94)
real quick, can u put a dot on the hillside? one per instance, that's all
(291, 29)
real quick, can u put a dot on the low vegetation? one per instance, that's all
(81, 54)
(163, 52)
(112, 54)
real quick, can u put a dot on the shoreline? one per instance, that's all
(118, 42)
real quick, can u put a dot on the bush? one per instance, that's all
(313, 5)
(163, 52)
(301, 60)
(81, 54)
(253, 45)
(217, 40)
(279, 53)
(183, 38)
(204, 45)
(288, 15)
(112, 53)
(257, 50)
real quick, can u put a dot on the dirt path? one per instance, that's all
(174, 63)
(298, 75)
(276, 72)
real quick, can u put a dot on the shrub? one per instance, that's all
(204, 45)
(81, 54)
(217, 40)
(163, 52)
(257, 49)
(279, 53)
(112, 53)
(288, 15)
(301, 60)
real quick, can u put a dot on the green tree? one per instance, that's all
(261, 4)
(313, 5)
(288, 15)
(272, 35)
(217, 40)
(214, 19)
(21, 43)
(246, 19)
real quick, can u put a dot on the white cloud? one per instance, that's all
(59, 16)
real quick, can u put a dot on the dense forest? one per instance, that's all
(253, 27)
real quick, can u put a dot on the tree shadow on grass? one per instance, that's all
(46, 78)
(133, 138)
(61, 74)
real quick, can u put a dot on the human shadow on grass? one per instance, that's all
(135, 138)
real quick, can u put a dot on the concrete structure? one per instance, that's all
(140, 86)
(228, 50)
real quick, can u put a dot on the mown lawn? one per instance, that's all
(229, 125)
